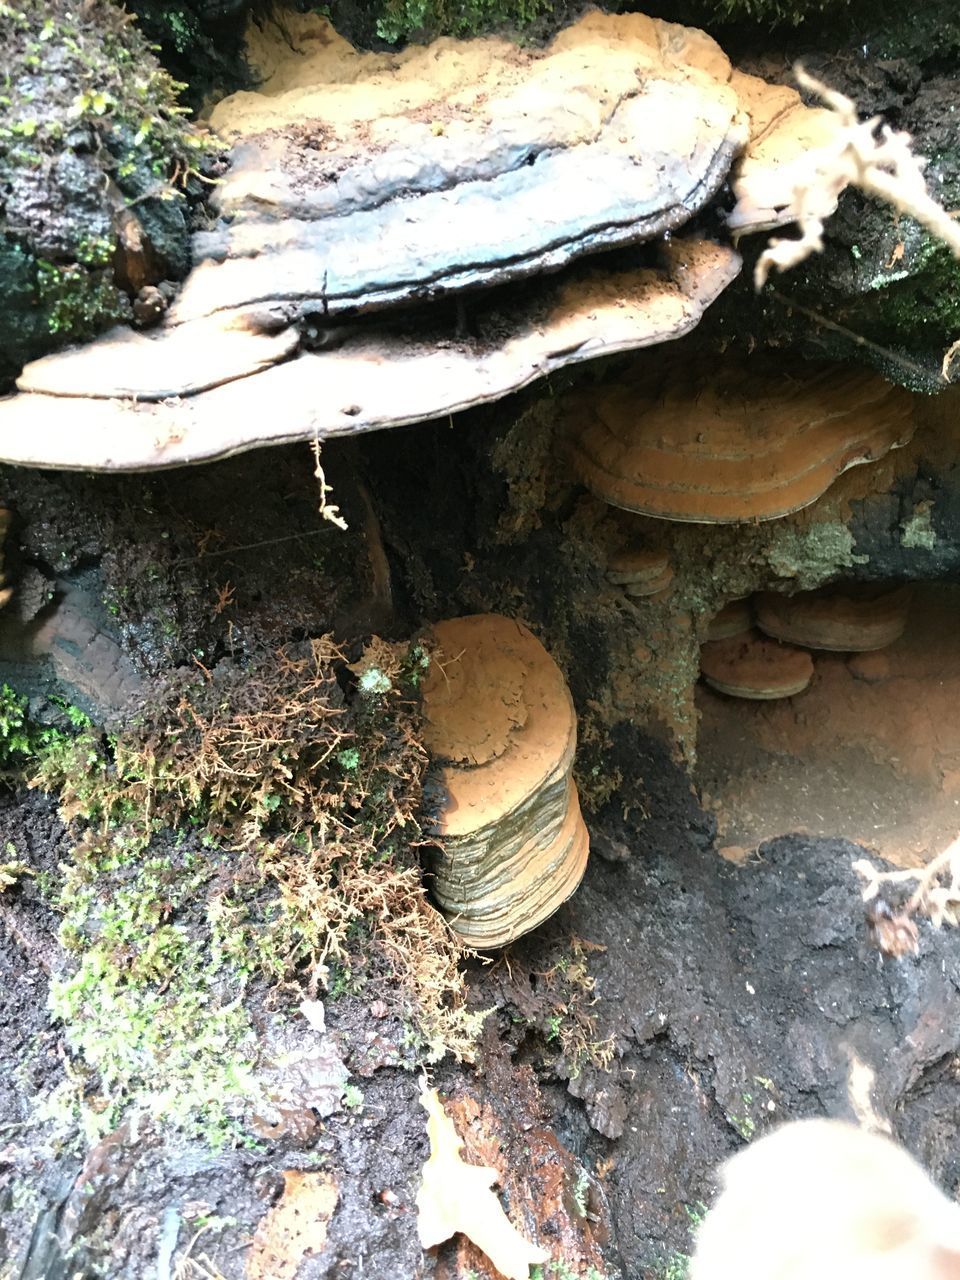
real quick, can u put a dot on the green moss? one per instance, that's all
(423, 19)
(923, 309)
(88, 120)
(86, 71)
(152, 1004)
(78, 302)
(23, 740)
(258, 826)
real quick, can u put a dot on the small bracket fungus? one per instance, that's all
(849, 619)
(641, 572)
(737, 446)
(754, 667)
(735, 618)
(500, 721)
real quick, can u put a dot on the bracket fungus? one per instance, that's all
(754, 667)
(641, 571)
(500, 722)
(364, 187)
(739, 446)
(735, 618)
(854, 618)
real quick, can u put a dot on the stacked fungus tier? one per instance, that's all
(501, 724)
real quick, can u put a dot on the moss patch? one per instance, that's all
(89, 123)
(261, 826)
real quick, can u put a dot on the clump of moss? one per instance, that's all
(299, 780)
(152, 1009)
(424, 19)
(89, 124)
(23, 738)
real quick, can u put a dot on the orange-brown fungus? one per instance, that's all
(500, 721)
(753, 667)
(733, 619)
(732, 446)
(640, 572)
(849, 619)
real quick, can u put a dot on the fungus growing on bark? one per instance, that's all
(640, 571)
(364, 182)
(786, 139)
(754, 667)
(855, 618)
(735, 618)
(68, 416)
(126, 364)
(500, 722)
(733, 447)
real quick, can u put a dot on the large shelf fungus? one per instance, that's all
(365, 189)
(500, 723)
(736, 446)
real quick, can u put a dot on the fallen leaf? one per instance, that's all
(294, 1227)
(313, 1011)
(456, 1197)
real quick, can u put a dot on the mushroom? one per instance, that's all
(854, 618)
(68, 414)
(641, 572)
(787, 142)
(500, 722)
(361, 182)
(456, 165)
(754, 667)
(737, 446)
(733, 619)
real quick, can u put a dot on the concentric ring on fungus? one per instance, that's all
(733, 446)
(500, 721)
(640, 571)
(853, 618)
(754, 667)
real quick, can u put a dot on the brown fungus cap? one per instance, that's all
(641, 572)
(733, 619)
(109, 406)
(855, 618)
(787, 140)
(734, 446)
(500, 721)
(361, 182)
(754, 667)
